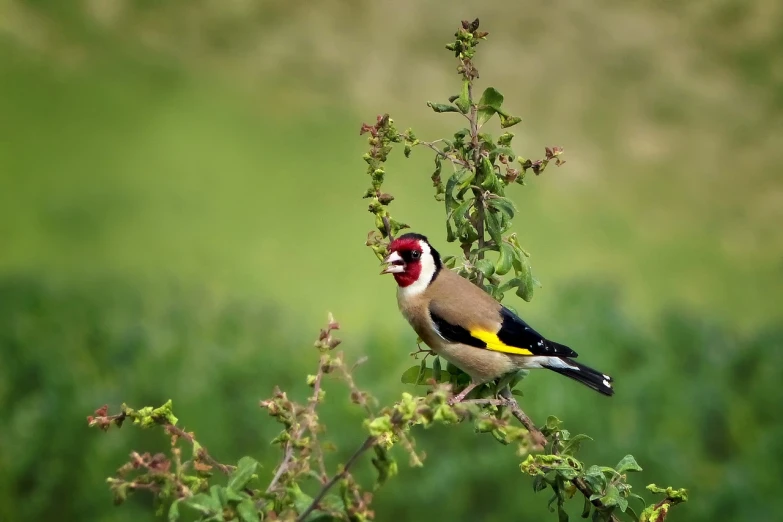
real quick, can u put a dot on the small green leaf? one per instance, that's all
(246, 468)
(463, 102)
(505, 260)
(525, 290)
(235, 496)
(507, 121)
(572, 445)
(174, 511)
(451, 236)
(586, 507)
(595, 478)
(539, 483)
(486, 267)
(247, 511)
(494, 227)
(219, 494)
(436, 370)
(460, 215)
(411, 375)
(627, 463)
(505, 139)
(565, 469)
(622, 503)
(504, 205)
(612, 496)
(553, 423)
(203, 503)
(442, 107)
(562, 516)
(490, 103)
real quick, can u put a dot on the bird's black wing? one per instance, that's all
(515, 336)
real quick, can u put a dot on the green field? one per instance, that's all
(180, 206)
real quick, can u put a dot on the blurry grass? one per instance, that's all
(129, 165)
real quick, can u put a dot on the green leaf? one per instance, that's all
(449, 261)
(505, 260)
(436, 370)
(247, 511)
(612, 496)
(486, 267)
(627, 463)
(451, 235)
(492, 220)
(565, 469)
(246, 468)
(562, 516)
(622, 503)
(505, 139)
(411, 375)
(219, 494)
(595, 478)
(572, 445)
(525, 275)
(553, 423)
(504, 205)
(442, 107)
(235, 496)
(463, 102)
(507, 121)
(586, 507)
(460, 215)
(174, 511)
(539, 483)
(490, 103)
(203, 503)
(525, 290)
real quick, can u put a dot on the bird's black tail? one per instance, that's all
(596, 380)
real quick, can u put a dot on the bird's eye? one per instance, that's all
(415, 254)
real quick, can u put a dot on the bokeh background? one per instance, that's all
(180, 207)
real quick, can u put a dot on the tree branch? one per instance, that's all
(368, 443)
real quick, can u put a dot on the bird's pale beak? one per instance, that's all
(394, 263)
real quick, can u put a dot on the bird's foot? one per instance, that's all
(461, 395)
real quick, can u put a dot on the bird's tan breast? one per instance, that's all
(482, 365)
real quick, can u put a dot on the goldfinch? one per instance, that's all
(466, 326)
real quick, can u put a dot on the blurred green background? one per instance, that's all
(180, 206)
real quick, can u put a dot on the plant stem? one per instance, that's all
(479, 195)
(368, 443)
(289, 449)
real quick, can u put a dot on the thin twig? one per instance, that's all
(367, 444)
(452, 159)
(202, 453)
(309, 411)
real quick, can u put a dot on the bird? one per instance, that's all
(466, 326)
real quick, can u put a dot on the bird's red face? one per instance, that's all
(413, 262)
(404, 260)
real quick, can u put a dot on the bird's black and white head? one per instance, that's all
(413, 261)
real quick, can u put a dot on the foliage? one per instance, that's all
(476, 207)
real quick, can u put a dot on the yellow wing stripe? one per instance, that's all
(495, 344)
